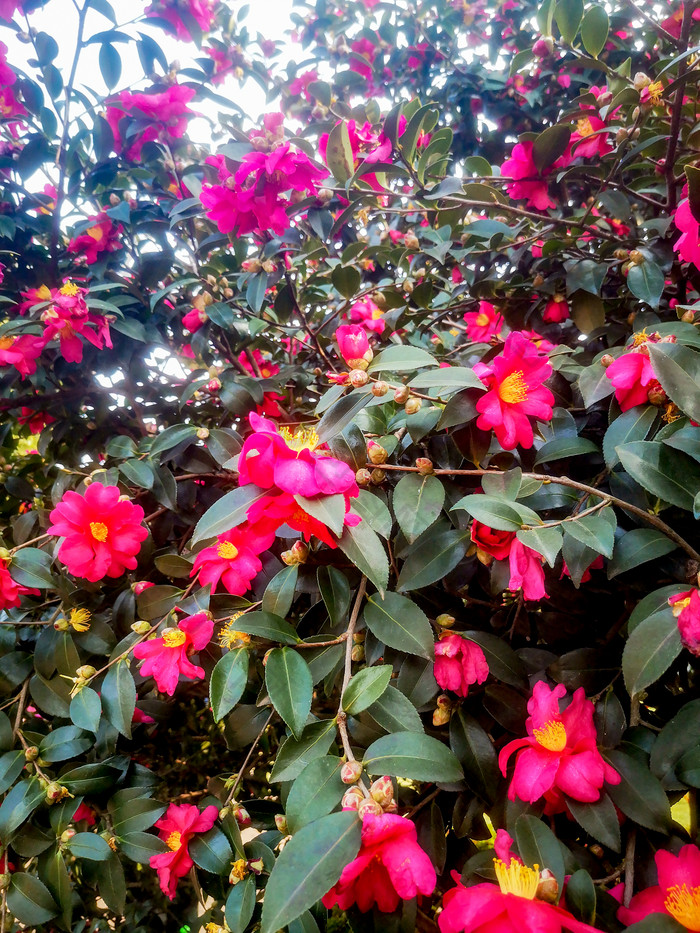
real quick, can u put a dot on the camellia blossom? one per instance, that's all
(677, 894)
(591, 142)
(202, 11)
(485, 324)
(529, 182)
(270, 404)
(285, 510)
(176, 828)
(167, 657)
(516, 393)
(368, 314)
(491, 542)
(234, 560)
(686, 609)
(526, 571)
(102, 236)
(68, 318)
(560, 754)
(632, 376)
(459, 663)
(390, 867)
(158, 115)
(10, 591)
(9, 7)
(102, 532)
(37, 420)
(21, 352)
(556, 310)
(354, 346)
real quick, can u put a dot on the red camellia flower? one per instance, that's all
(166, 657)
(176, 828)
(21, 352)
(529, 183)
(677, 893)
(285, 510)
(101, 236)
(234, 560)
(686, 608)
(37, 420)
(389, 867)
(526, 571)
(102, 532)
(632, 376)
(157, 114)
(68, 318)
(515, 392)
(485, 324)
(560, 754)
(354, 346)
(270, 405)
(492, 542)
(556, 311)
(459, 663)
(10, 591)
(368, 314)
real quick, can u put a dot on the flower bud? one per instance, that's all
(407, 286)
(297, 554)
(281, 824)
(61, 625)
(688, 317)
(401, 395)
(86, 672)
(224, 812)
(358, 377)
(444, 620)
(543, 47)
(324, 195)
(358, 653)
(377, 477)
(379, 389)
(56, 792)
(376, 453)
(202, 433)
(413, 405)
(67, 836)
(31, 753)
(352, 799)
(538, 280)
(369, 806)
(641, 81)
(256, 865)
(141, 627)
(242, 816)
(548, 887)
(351, 772)
(657, 396)
(441, 717)
(425, 466)
(363, 477)
(607, 360)
(636, 258)
(621, 135)
(382, 790)
(411, 241)
(269, 266)
(5, 879)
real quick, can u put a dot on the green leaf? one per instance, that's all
(538, 845)
(599, 820)
(346, 279)
(646, 281)
(476, 754)
(367, 553)
(413, 756)
(119, 697)
(228, 512)
(212, 851)
(503, 662)
(339, 415)
(560, 447)
(19, 804)
(371, 509)
(394, 712)
(637, 547)
(335, 592)
(29, 900)
(110, 64)
(418, 501)
(546, 541)
(549, 145)
(366, 687)
(171, 437)
(228, 681)
(675, 739)
(86, 709)
(90, 846)
(632, 425)
(11, 766)
(316, 792)
(581, 897)
(498, 513)
(397, 622)
(290, 687)
(447, 377)
(32, 567)
(295, 754)
(404, 358)
(594, 30)
(134, 815)
(595, 531)
(666, 473)
(310, 864)
(568, 15)
(329, 510)
(240, 905)
(339, 157)
(640, 796)
(350, 447)
(279, 593)
(656, 923)
(112, 884)
(65, 742)
(594, 385)
(139, 847)
(678, 370)
(268, 626)
(432, 557)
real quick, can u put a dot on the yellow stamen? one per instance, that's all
(303, 439)
(481, 320)
(655, 89)
(551, 736)
(238, 871)
(227, 550)
(230, 637)
(584, 127)
(265, 372)
(513, 389)
(43, 293)
(671, 413)
(6, 342)
(99, 531)
(80, 619)
(174, 637)
(640, 339)
(376, 314)
(683, 903)
(95, 233)
(70, 288)
(517, 879)
(680, 605)
(174, 841)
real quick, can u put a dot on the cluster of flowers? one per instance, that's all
(11, 110)
(632, 374)
(99, 235)
(203, 12)
(151, 116)
(66, 318)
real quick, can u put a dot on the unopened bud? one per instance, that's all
(411, 241)
(358, 653)
(213, 386)
(281, 824)
(621, 135)
(351, 772)
(61, 625)
(657, 396)
(607, 360)
(141, 627)
(224, 812)
(242, 816)
(444, 702)
(596, 850)
(424, 466)
(636, 258)
(324, 195)
(269, 266)
(363, 477)
(376, 453)
(31, 753)
(86, 672)
(358, 378)
(369, 806)
(621, 254)
(688, 317)
(379, 389)
(202, 433)
(543, 47)
(413, 405)
(407, 286)
(401, 395)
(377, 477)
(67, 835)
(297, 554)
(538, 280)
(444, 620)
(140, 586)
(56, 792)
(382, 790)
(641, 81)
(441, 717)
(548, 887)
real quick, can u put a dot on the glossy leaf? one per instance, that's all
(397, 622)
(228, 681)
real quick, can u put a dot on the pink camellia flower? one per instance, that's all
(354, 346)
(365, 53)
(140, 586)
(270, 405)
(291, 462)
(167, 657)
(526, 571)
(37, 420)
(516, 393)
(21, 352)
(227, 60)
(591, 142)
(7, 75)
(529, 183)
(68, 318)
(390, 867)
(560, 754)
(541, 343)
(368, 314)
(141, 717)
(203, 11)
(102, 236)
(158, 115)
(556, 310)
(485, 324)
(194, 319)
(677, 894)
(10, 592)
(300, 84)
(459, 663)
(234, 560)
(9, 7)
(102, 532)
(84, 812)
(11, 109)
(285, 510)
(632, 376)
(176, 828)
(688, 244)
(686, 608)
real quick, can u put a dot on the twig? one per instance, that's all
(246, 761)
(342, 717)
(632, 835)
(422, 803)
(20, 708)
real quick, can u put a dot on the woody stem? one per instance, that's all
(342, 717)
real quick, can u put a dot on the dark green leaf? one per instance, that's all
(119, 697)
(394, 712)
(335, 591)
(32, 567)
(678, 370)
(677, 737)
(645, 280)
(402, 358)
(20, 803)
(228, 512)
(228, 681)
(666, 473)
(365, 687)
(594, 31)
(279, 594)
(316, 792)
(399, 623)
(568, 15)
(432, 557)
(632, 425)
(329, 510)
(418, 501)
(414, 756)
(290, 687)
(538, 845)
(295, 754)
(637, 547)
(367, 553)
(503, 662)
(599, 820)
(90, 846)
(640, 796)
(580, 896)
(240, 905)
(476, 754)
(268, 626)
(29, 900)
(498, 513)
(549, 145)
(650, 649)
(212, 851)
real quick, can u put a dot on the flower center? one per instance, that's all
(583, 127)
(655, 89)
(70, 288)
(80, 619)
(482, 319)
(303, 439)
(227, 550)
(551, 736)
(265, 372)
(174, 637)
(99, 531)
(6, 342)
(230, 637)
(95, 233)
(683, 903)
(513, 389)
(376, 314)
(174, 841)
(517, 879)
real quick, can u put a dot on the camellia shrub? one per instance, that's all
(350, 468)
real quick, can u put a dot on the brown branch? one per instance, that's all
(20, 708)
(341, 717)
(248, 757)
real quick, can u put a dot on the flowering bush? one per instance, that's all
(351, 468)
